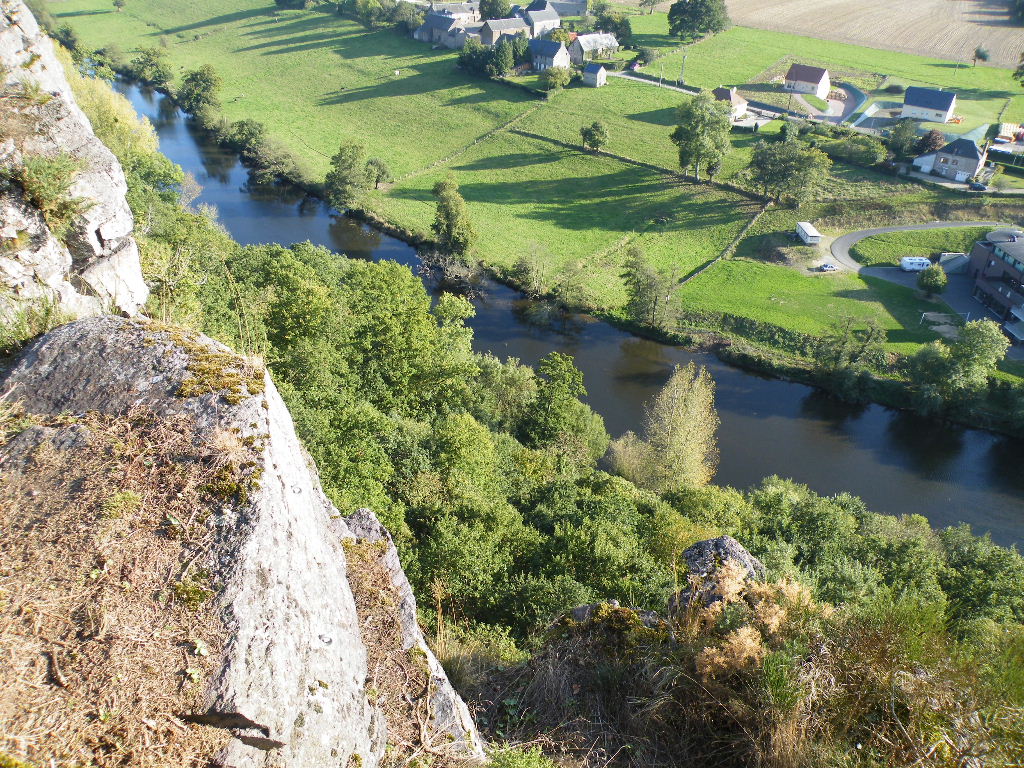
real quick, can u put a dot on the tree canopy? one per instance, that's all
(702, 133)
(691, 19)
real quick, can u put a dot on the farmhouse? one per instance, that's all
(594, 75)
(596, 45)
(547, 54)
(542, 21)
(929, 104)
(737, 104)
(803, 78)
(439, 28)
(960, 160)
(461, 11)
(492, 31)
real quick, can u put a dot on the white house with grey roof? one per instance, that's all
(960, 160)
(594, 75)
(546, 54)
(461, 11)
(542, 21)
(494, 29)
(931, 104)
(803, 78)
(592, 46)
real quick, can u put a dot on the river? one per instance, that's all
(899, 463)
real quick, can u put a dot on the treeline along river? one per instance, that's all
(900, 463)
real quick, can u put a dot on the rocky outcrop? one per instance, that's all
(291, 684)
(451, 724)
(705, 561)
(96, 267)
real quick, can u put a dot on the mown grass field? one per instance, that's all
(527, 195)
(888, 249)
(809, 304)
(739, 55)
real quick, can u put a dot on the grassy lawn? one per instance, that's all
(809, 303)
(527, 196)
(888, 249)
(314, 78)
(739, 55)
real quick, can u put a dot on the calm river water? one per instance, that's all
(898, 462)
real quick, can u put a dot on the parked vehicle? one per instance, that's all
(977, 186)
(915, 263)
(826, 267)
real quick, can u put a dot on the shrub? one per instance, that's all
(554, 78)
(45, 183)
(895, 88)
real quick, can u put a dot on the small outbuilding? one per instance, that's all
(808, 233)
(737, 104)
(804, 78)
(597, 45)
(595, 75)
(929, 104)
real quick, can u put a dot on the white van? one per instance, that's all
(915, 263)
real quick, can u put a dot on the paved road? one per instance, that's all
(841, 245)
(958, 293)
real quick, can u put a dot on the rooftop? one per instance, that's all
(1010, 241)
(728, 94)
(549, 48)
(592, 68)
(597, 41)
(546, 14)
(929, 98)
(962, 148)
(804, 73)
(496, 24)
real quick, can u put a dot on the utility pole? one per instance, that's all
(682, 71)
(662, 75)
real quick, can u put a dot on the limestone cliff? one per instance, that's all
(291, 683)
(94, 267)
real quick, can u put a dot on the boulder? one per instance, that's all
(704, 561)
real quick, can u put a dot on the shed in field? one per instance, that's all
(808, 233)
(595, 75)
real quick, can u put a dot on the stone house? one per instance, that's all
(737, 104)
(493, 30)
(593, 46)
(960, 160)
(594, 75)
(547, 54)
(543, 21)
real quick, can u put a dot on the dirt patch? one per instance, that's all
(107, 626)
(946, 29)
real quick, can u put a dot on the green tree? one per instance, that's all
(650, 4)
(495, 9)
(348, 178)
(502, 58)
(197, 94)
(474, 57)
(903, 138)
(1018, 73)
(407, 16)
(151, 66)
(615, 23)
(932, 141)
(647, 290)
(788, 170)
(702, 133)
(559, 35)
(553, 78)
(980, 54)
(977, 351)
(691, 19)
(932, 280)
(119, 4)
(678, 447)
(452, 226)
(844, 354)
(860, 150)
(594, 136)
(378, 172)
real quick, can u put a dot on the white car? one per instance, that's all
(828, 268)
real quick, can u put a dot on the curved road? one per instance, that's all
(841, 245)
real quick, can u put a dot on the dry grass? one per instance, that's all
(946, 29)
(399, 681)
(107, 632)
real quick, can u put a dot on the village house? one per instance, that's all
(594, 75)
(460, 11)
(737, 104)
(546, 54)
(542, 21)
(438, 28)
(493, 30)
(960, 160)
(929, 104)
(593, 46)
(803, 78)
(997, 267)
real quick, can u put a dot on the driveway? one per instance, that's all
(957, 295)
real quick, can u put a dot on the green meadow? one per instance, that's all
(888, 249)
